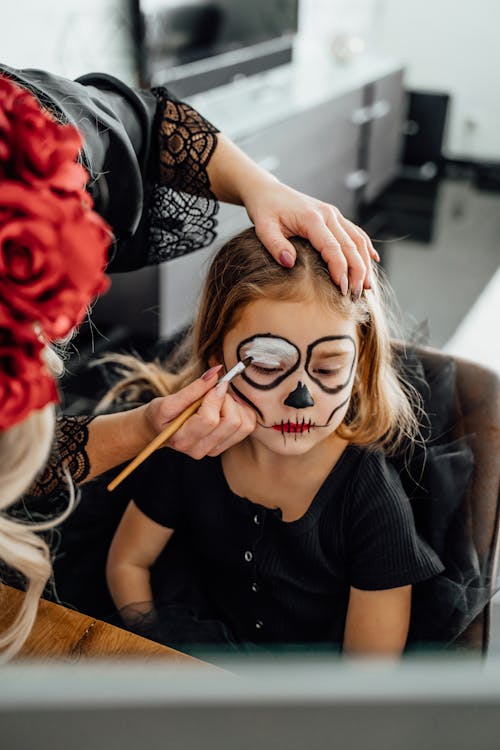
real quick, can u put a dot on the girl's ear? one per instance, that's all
(215, 359)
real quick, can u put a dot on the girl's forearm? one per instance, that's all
(130, 587)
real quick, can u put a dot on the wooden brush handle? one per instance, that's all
(156, 443)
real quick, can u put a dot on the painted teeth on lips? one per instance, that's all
(294, 427)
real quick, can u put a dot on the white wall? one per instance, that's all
(445, 45)
(68, 37)
(452, 46)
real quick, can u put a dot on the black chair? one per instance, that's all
(462, 399)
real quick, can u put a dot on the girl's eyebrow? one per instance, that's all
(327, 354)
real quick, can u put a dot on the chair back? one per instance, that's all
(475, 408)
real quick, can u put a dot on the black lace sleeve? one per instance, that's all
(182, 205)
(68, 451)
(146, 154)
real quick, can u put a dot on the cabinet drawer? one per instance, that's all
(304, 148)
(385, 139)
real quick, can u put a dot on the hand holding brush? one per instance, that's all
(171, 428)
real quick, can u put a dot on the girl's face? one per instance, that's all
(303, 364)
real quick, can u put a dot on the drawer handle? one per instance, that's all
(270, 163)
(361, 116)
(356, 180)
(380, 109)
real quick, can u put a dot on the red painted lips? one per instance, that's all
(294, 427)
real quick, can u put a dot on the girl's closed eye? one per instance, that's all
(265, 369)
(327, 370)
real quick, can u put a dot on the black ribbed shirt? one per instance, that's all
(272, 581)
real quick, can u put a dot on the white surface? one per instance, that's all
(478, 336)
(320, 680)
(450, 46)
(445, 46)
(324, 704)
(68, 37)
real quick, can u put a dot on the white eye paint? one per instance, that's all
(270, 351)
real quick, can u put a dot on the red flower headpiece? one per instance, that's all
(53, 247)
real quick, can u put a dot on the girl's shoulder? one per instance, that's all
(374, 483)
(367, 466)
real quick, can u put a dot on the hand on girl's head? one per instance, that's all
(345, 247)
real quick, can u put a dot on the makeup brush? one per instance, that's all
(172, 427)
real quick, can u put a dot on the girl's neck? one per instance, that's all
(274, 480)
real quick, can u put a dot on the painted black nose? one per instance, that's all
(300, 398)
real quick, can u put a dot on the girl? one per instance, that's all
(301, 533)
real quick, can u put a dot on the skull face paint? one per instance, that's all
(273, 359)
(300, 379)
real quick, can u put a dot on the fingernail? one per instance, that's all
(237, 399)
(221, 388)
(344, 284)
(286, 259)
(210, 373)
(377, 256)
(356, 293)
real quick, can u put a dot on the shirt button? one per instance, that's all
(259, 624)
(248, 556)
(255, 587)
(256, 519)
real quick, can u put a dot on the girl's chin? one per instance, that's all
(289, 443)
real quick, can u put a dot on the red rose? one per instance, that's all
(33, 146)
(53, 251)
(25, 382)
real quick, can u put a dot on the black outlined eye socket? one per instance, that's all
(273, 359)
(331, 367)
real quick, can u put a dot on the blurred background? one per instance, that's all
(386, 108)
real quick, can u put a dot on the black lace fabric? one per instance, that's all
(68, 451)
(182, 206)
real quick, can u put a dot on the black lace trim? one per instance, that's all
(68, 451)
(182, 205)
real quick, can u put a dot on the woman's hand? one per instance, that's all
(220, 422)
(279, 212)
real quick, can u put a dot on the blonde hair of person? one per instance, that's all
(24, 450)
(384, 409)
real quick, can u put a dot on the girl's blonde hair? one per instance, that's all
(383, 408)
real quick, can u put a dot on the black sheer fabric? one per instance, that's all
(49, 495)
(453, 485)
(69, 450)
(183, 208)
(146, 154)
